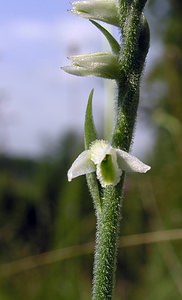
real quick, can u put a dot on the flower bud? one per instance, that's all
(101, 64)
(103, 10)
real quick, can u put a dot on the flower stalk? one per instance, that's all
(105, 163)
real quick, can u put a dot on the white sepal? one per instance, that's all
(130, 163)
(82, 165)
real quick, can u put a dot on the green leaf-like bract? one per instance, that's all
(90, 137)
(90, 131)
(111, 40)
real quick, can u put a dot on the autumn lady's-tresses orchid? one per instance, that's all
(104, 163)
(107, 162)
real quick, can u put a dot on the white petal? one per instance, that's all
(78, 71)
(130, 163)
(99, 57)
(98, 150)
(82, 165)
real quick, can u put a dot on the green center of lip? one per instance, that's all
(107, 169)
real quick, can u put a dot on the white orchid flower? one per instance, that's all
(107, 162)
(103, 10)
(101, 64)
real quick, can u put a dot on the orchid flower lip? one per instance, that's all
(107, 162)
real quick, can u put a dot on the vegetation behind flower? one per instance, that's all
(35, 196)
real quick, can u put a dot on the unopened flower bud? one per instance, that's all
(101, 64)
(103, 10)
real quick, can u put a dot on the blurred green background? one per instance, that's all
(40, 212)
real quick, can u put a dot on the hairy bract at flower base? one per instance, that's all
(107, 162)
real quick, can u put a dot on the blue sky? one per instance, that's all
(39, 102)
(37, 9)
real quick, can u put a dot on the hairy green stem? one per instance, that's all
(132, 58)
(135, 44)
(106, 244)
